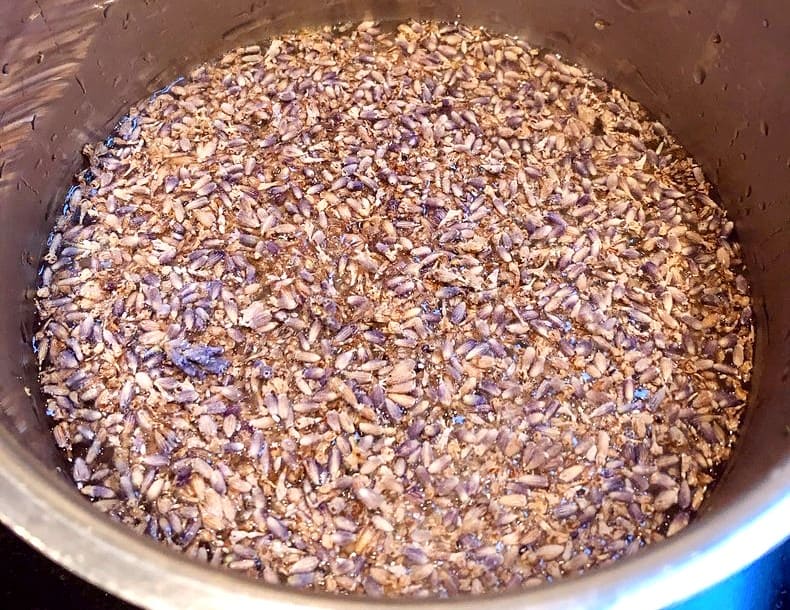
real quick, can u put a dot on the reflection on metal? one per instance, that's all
(41, 63)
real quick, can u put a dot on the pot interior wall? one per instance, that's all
(715, 72)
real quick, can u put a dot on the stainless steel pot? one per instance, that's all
(717, 72)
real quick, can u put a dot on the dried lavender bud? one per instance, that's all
(197, 360)
(511, 334)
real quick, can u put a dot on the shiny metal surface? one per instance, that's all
(715, 71)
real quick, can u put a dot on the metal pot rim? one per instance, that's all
(144, 573)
